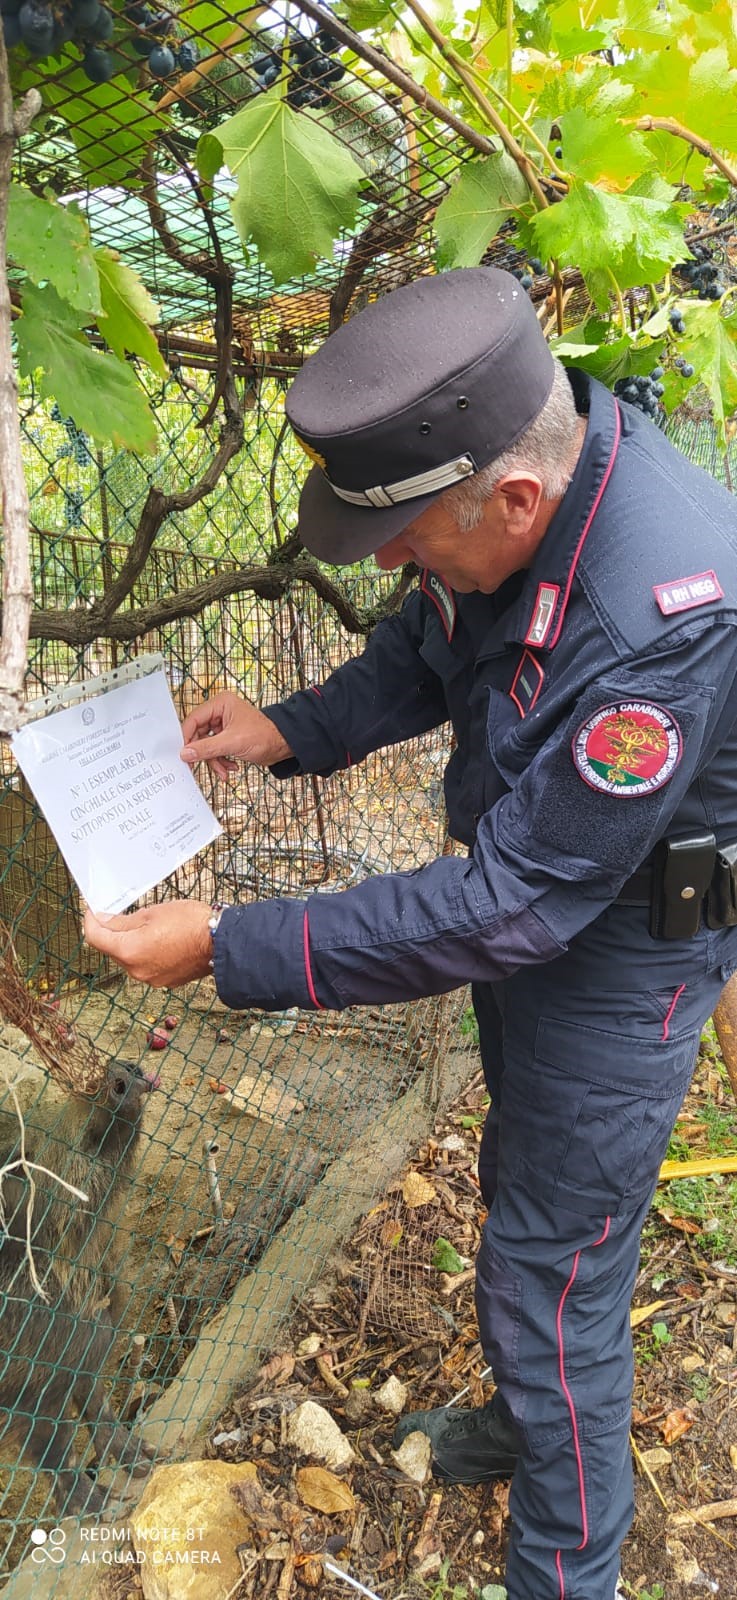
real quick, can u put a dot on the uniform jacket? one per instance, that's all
(594, 707)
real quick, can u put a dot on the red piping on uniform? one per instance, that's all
(587, 524)
(669, 1012)
(308, 966)
(571, 1407)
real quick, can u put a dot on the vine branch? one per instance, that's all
(269, 582)
(467, 79)
(670, 125)
(157, 508)
(386, 231)
(17, 585)
(213, 268)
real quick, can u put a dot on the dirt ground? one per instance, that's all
(390, 1305)
(306, 1087)
(442, 1543)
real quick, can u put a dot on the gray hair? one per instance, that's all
(546, 448)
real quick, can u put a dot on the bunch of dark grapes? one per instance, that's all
(675, 318)
(266, 69)
(77, 442)
(701, 274)
(526, 274)
(642, 392)
(313, 68)
(72, 508)
(684, 367)
(45, 29)
(155, 38)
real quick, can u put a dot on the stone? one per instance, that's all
(309, 1346)
(392, 1396)
(414, 1457)
(657, 1457)
(187, 1527)
(313, 1432)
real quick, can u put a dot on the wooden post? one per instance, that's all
(725, 1022)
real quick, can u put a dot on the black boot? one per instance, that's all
(467, 1446)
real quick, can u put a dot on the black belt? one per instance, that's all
(686, 879)
(638, 890)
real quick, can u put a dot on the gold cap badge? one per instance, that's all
(313, 454)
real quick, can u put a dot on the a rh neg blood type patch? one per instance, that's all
(686, 593)
(629, 748)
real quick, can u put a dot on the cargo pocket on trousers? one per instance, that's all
(598, 1118)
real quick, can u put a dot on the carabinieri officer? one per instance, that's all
(576, 623)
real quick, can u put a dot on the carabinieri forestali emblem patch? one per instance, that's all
(632, 747)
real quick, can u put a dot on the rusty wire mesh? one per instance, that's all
(259, 1115)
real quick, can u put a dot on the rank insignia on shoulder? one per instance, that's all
(440, 592)
(543, 613)
(629, 748)
(527, 683)
(685, 593)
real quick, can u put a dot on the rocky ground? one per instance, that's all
(392, 1327)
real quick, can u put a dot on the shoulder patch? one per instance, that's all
(440, 592)
(685, 593)
(629, 748)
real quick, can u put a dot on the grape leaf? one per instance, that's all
(472, 212)
(111, 127)
(52, 243)
(100, 392)
(211, 24)
(367, 13)
(710, 344)
(297, 184)
(638, 239)
(128, 312)
(699, 84)
(608, 362)
(594, 147)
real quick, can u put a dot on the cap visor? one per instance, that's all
(340, 533)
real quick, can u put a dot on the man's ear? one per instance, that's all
(521, 493)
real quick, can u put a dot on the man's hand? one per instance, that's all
(226, 730)
(163, 945)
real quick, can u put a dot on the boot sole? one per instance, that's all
(503, 1469)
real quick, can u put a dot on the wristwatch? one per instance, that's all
(213, 922)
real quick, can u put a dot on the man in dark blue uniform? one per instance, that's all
(576, 622)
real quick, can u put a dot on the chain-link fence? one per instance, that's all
(268, 1134)
(215, 1198)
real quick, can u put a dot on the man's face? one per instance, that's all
(501, 543)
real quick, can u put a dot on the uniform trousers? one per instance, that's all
(587, 1060)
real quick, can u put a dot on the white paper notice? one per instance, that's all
(123, 808)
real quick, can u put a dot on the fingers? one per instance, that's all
(163, 945)
(203, 719)
(206, 736)
(207, 750)
(104, 932)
